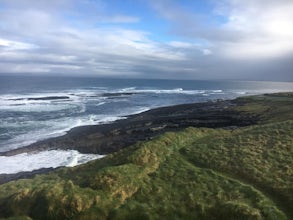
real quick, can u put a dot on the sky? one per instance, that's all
(166, 39)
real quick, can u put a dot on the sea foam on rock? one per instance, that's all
(44, 159)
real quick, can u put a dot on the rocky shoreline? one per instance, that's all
(109, 138)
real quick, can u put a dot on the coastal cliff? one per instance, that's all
(216, 160)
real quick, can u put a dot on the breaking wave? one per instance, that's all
(44, 159)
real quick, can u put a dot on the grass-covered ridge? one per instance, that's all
(268, 107)
(198, 173)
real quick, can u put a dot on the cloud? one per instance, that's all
(265, 29)
(15, 45)
(62, 45)
(252, 29)
(180, 44)
(235, 40)
(243, 39)
(120, 19)
(206, 51)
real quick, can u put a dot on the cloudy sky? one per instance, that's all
(173, 39)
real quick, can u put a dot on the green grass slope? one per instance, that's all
(269, 107)
(198, 173)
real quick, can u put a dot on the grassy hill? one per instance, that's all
(197, 173)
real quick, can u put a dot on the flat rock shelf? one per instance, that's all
(108, 138)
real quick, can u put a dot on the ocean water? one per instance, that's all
(36, 108)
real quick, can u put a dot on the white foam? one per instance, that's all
(129, 89)
(53, 128)
(104, 119)
(139, 110)
(167, 91)
(35, 103)
(29, 107)
(87, 93)
(241, 93)
(18, 97)
(101, 103)
(43, 159)
(73, 99)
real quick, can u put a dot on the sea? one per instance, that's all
(34, 108)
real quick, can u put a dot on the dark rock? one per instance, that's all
(109, 138)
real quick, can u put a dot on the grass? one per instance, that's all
(197, 173)
(269, 107)
(258, 155)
